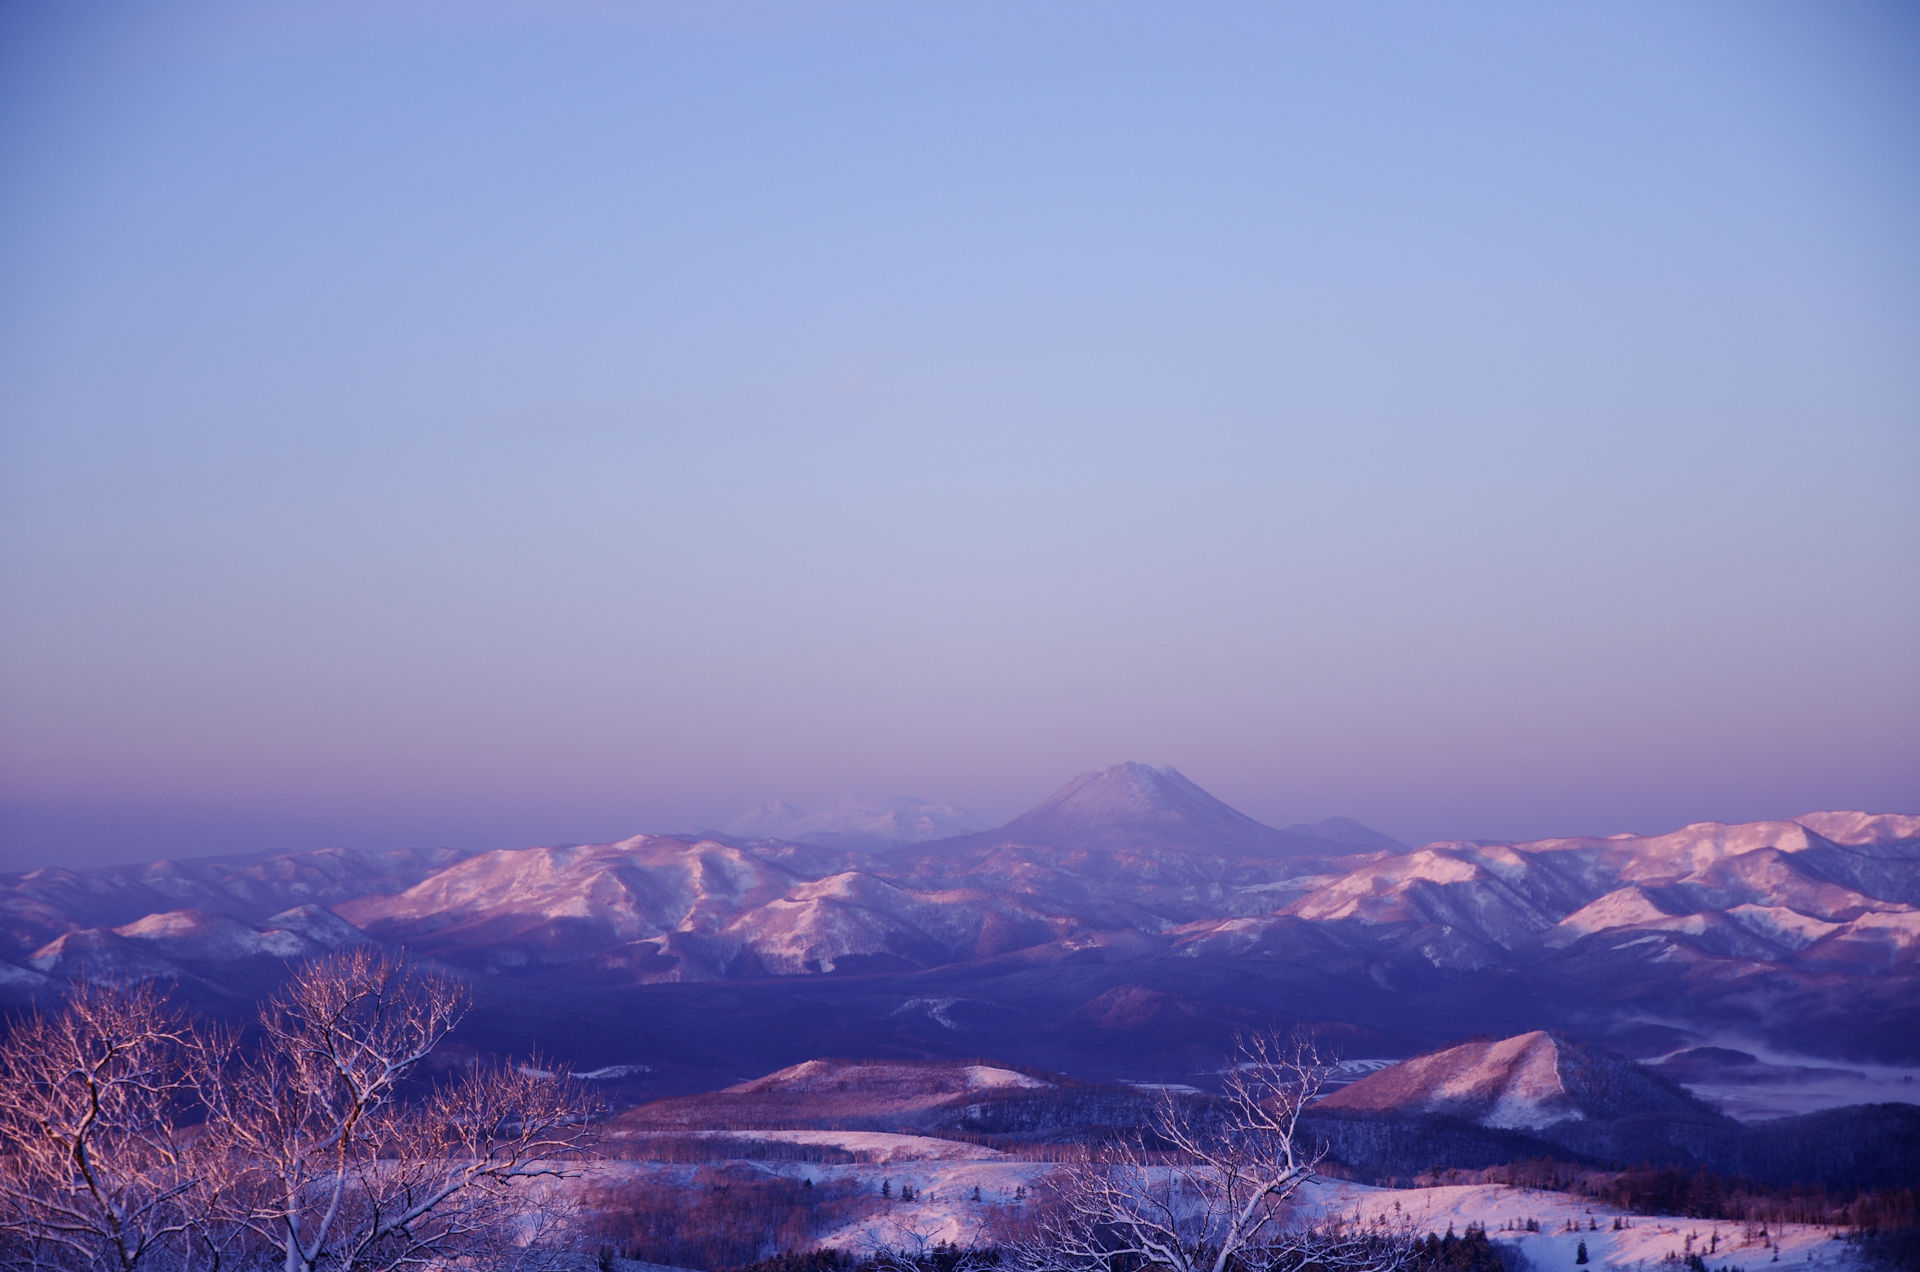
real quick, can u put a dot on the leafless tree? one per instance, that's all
(336, 1169)
(1208, 1189)
(97, 1169)
(909, 1242)
(132, 1141)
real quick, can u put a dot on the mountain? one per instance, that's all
(1134, 847)
(40, 905)
(856, 1094)
(171, 942)
(642, 906)
(660, 908)
(1345, 830)
(1528, 1082)
(1772, 932)
(861, 825)
(1541, 1095)
(1131, 807)
(1130, 848)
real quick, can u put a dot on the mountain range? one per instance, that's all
(1131, 923)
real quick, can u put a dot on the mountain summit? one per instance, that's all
(1132, 806)
(1129, 792)
(1529, 1081)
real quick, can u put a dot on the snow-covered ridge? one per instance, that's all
(175, 943)
(1764, 891)
(40, 905)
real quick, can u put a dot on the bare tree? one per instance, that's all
(1209, 1189)
(337, 1169)
(907, 1242)
(133, 1141)
(97, 1169)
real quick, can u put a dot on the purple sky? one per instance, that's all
(491, 424)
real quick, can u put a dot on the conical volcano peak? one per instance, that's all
(1130, 790)
(1137, 806)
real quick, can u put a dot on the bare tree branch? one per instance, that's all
(95, 1170)
(1208, 1188)
(133, 1141)
(337, 1170)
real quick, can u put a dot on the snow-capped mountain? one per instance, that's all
(655, 908)
(1132, 807)
(39, 905)
(1767, 891)
(1138, 848)
(190, 944)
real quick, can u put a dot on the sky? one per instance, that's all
(488, 424)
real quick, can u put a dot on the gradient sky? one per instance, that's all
(490, 424)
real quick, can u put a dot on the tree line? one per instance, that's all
(1701, 1193)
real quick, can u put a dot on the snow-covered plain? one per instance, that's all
(1645, 1245)
(944, 1175)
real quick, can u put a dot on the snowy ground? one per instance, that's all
(1643, 1246)
(944, 1176)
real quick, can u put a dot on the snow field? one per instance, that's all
(944, 1174)
(1641, 1248)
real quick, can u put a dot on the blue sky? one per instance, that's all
(489, 424)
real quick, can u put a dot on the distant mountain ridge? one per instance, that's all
(1129, 914)
(1134, 806)
(1128, 847)
(191, 945)
(1345, 830)
(37, 906)
(854, 824)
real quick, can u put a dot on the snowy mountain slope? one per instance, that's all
(661, 908)
(875, 1094)
(1531, 1081)
(819, 925)
(191, 945)
(96, 954)
(320, 926)
(192, 934)
(1137, 847)
(39, 905)
(545, 906)
(1766, 891)
(1134, 807)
